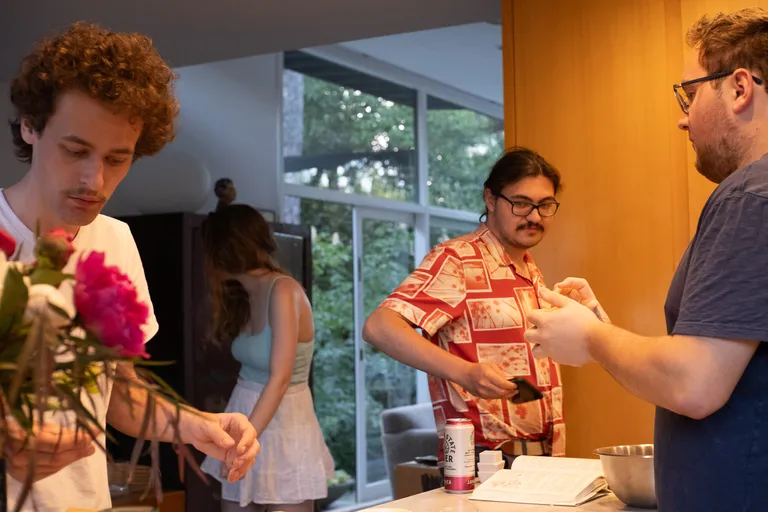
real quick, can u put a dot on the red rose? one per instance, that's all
(107, 302)
(54, 249)
(7, 244)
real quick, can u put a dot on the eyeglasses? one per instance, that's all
(524, 208)
(685, 99)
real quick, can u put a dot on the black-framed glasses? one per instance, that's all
(685, 99)
(524, 208)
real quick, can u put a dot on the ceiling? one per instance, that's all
(468, 57)
(198, 31)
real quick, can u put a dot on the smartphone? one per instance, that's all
(526, 392)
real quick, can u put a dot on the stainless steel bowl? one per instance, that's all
(628, 470)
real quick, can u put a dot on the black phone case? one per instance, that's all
(526, 392)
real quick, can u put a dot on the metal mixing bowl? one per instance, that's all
(628, 470)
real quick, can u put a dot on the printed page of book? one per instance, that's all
(541, 486)
(559, 464)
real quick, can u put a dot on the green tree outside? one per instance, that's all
(366, 145)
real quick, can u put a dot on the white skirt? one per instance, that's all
(294, 463)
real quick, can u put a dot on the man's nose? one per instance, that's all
(534, 216)
(92, 176)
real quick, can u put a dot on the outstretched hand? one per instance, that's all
(578, 289)
(562, 332)
(228, 437)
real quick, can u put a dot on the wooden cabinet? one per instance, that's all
(204, 374)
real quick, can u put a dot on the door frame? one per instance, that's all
(366, 491)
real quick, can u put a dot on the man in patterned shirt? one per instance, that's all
(470, 297)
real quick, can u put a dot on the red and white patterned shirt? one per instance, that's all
(468, 299)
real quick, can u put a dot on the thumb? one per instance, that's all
(553, 298)
(219, 436)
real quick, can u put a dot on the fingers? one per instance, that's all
(536, 317)
(241, 457)
(487, 380)
(538, 352)
(598, 310)
(553, 298)
(532, 336)
(577, 283)
(244, 463)
(253, 449)
(46, 463)
(218, 435)
(51, 438)
(499, 382)
(247, 435)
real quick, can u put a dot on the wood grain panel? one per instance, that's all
(592, 91)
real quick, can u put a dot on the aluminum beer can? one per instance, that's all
(459, 453)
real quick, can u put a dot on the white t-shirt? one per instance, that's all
(82, 484)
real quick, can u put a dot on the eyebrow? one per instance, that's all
(82, 142)
(526, 198)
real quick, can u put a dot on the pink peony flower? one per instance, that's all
(106, 300)
(54, 249)
(7, 244)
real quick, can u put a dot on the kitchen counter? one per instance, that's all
(440, 501)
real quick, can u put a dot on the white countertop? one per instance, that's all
(440, 501)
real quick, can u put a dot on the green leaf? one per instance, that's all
(58, 311)
(165, 388)
(144, 362)
(13, 302)
(41, 275)
(80, 410)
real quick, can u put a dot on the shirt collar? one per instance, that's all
(499, 256)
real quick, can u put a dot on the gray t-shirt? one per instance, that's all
(720, 290)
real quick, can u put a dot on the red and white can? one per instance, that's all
(459, 453)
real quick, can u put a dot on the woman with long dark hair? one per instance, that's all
(265, 316)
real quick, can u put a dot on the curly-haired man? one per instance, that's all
(88, 103)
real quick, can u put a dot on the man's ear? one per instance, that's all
(490, 200)
(744, 88)
(28, 132)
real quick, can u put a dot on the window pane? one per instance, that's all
(333, 311)
(463, 145)
(347, 131)
(387, 260)
(442, 231)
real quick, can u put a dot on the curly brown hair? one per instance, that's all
(122, 70)
(726, 42)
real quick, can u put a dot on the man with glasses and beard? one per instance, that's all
(469, 297)
(709, 376)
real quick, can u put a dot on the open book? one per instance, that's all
(545, 481)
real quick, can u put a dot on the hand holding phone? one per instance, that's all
(526, 392)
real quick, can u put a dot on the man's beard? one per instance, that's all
(721, 158)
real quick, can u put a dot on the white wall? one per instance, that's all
(230, 122)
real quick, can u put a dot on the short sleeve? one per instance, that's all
(434, 294)
(134, 269)
(725, 294)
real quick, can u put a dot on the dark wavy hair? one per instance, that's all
(122, 70)
(236, 239)
(515, 164)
